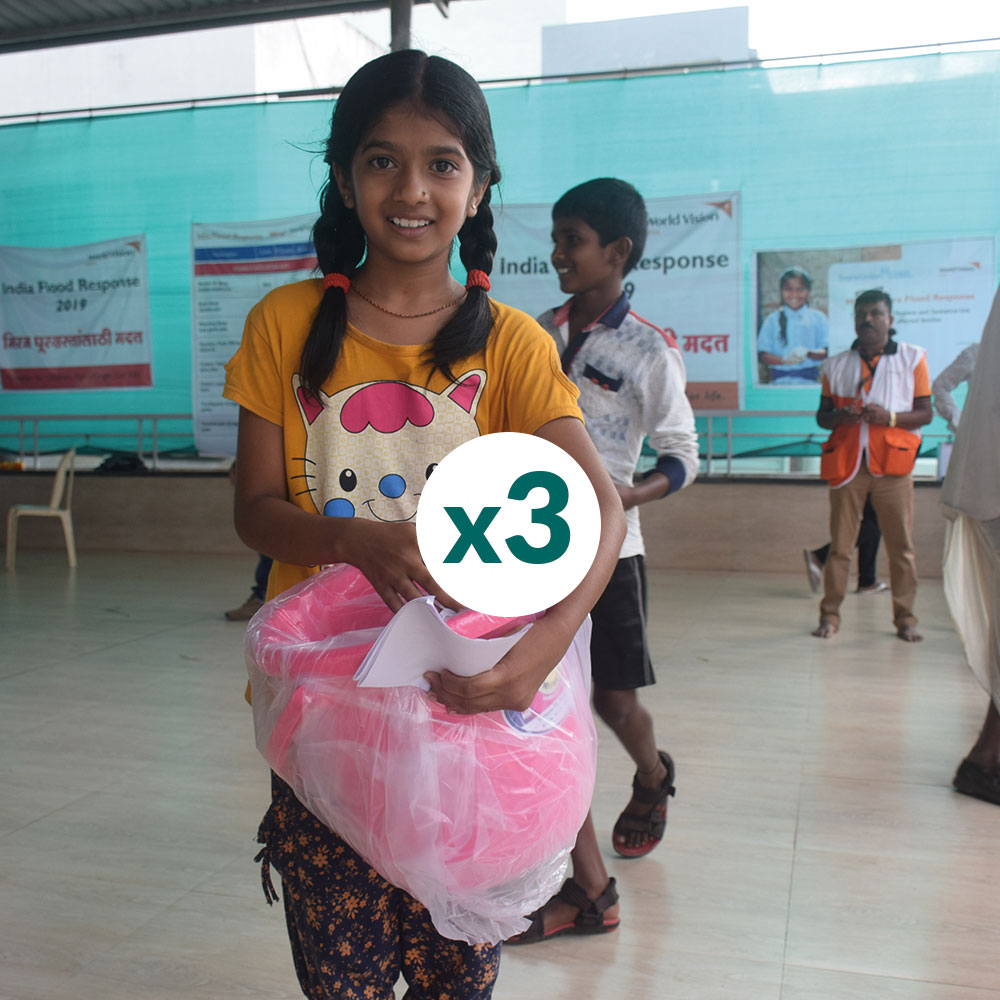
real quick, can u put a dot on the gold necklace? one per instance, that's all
(430, 312)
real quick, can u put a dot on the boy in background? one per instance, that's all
(631, 378)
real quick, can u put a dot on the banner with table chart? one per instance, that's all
(235, 264)
(75, 317)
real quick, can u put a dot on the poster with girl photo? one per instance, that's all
(941, 293)
(793, 332)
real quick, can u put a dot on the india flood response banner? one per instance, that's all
(687, 282)
(75, 317)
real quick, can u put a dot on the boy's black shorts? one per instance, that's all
(619, 652)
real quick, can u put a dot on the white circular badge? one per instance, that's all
(508, 524)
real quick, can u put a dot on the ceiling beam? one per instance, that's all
(101, 28)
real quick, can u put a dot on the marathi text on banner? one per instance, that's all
(75, 317)
(235, 264)
(687, 282)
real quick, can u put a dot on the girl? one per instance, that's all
(793, 340)
(351, 388)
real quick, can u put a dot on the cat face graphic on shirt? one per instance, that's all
(370, 447)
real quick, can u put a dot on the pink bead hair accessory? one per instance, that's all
(336, 280)
(478, 279)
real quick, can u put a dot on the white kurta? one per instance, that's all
(972, 497)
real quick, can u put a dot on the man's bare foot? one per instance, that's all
(909, 633)
(825, 630)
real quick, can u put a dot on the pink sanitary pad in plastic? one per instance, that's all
(472, 815)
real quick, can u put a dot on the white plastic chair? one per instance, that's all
(58, 506)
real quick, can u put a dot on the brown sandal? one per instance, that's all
(590, 919)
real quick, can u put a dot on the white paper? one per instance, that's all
(418, 640)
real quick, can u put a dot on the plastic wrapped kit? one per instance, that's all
(475, 815)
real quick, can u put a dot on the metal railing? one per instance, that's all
(720, 424)
(720, 432)
(146, 432)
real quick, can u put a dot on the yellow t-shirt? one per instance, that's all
(366, 447)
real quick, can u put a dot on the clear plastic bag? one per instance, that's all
(474, 816)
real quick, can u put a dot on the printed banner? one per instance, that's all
(687, 282)
(75, 317)
(941, 293)
(235, 265)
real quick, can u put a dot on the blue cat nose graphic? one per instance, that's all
(338, 508)
(392, 486)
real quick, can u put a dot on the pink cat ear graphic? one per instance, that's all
(468, 390)
(310, 406)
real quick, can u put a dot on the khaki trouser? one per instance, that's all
(892, 498)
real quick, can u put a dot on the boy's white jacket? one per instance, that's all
(632, 385)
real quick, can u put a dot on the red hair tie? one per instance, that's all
(336, 280)
(478, 279)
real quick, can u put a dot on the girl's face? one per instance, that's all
(794, 293)
(413, 187)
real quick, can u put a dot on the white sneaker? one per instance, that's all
(815, 570)
(876, 588)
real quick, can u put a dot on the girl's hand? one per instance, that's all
(388, 556)
(513, 683)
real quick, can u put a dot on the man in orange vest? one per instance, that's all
(876, 397)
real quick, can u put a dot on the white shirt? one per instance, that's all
(631, 381)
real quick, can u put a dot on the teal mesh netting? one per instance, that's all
(848, 154)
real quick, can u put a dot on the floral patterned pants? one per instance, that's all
(352, 932)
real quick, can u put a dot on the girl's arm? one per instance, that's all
(514, 681)
(269, 522)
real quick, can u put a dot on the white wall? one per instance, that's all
(310, 53)
(492, 39)
(634, 43)
(247, 59)
(131, 71)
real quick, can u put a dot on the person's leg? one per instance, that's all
(621, 664)
(258, 592)
(623, 714)
(436, 967)
(346, 951)
(260, 576)
(815, 560)
(892, 498)
(986, 750)
(868, 541)
(979, 774)
(846, 503)
(558, 914)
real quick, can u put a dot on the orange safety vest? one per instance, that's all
(890, 451)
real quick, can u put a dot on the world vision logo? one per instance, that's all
(118, 251)
(973, 265)
(722, 206)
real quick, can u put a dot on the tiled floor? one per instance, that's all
(815, 849)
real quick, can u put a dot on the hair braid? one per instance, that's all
(469, 329)
(340, 245)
